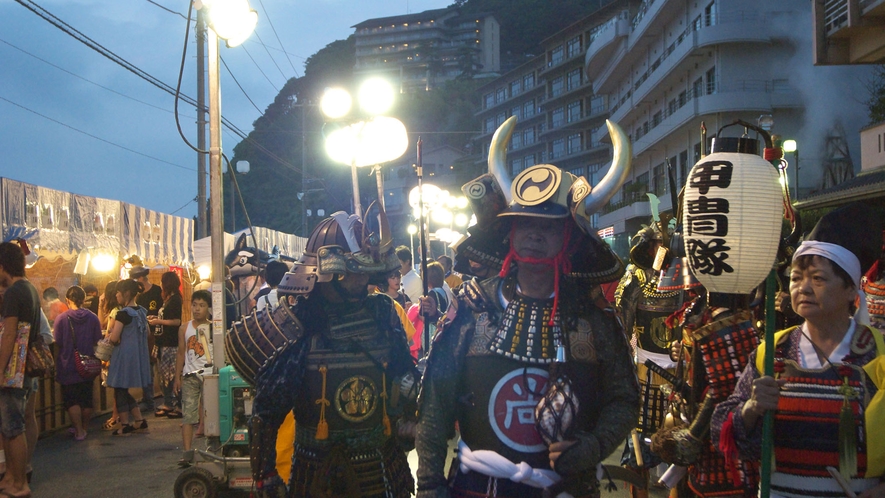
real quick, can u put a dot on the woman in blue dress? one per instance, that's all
(130, 363)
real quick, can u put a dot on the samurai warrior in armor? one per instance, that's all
(533, 367)
(338, 359)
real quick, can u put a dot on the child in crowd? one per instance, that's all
(193, 357)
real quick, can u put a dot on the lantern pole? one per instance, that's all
(768, 361)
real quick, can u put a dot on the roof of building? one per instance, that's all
(418, 16)
(872, 125)
(866, 185)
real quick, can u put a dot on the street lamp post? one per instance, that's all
(234, 27)
(368, 142)
(792, 146)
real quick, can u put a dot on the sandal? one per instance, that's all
(142, 426)
(110, 424)
(174, 414)
(124, 431)
(162, 412)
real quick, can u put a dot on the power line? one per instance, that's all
(77, 35)
(259, 69)
(271, 57)
(240, 86)
(94, 136)
(167, 9)
(250, 40)
(269, 21)
(186, 204)
(87, 79)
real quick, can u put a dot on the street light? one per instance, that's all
(234, 21)
(368, 142)
(792, 146)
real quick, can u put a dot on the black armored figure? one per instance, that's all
(535, 371)
(338, 358)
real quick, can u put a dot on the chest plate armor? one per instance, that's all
(344, 380)
(806, 439)
(644, 310)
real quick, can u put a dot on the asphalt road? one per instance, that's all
(136, 466)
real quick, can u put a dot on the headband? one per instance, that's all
(844, 259)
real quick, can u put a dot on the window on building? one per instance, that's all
(528, 109)
(528, 81)
(660, 179)
(709, 14)
(682, 99)
(698, 23)
(500, 95)
(557, 86)
(573, 47)
(574, 143)
(499, 119)
(515, 166)
(488, 100)
(697, 152)
(641, 186)
(697, 88)
(556, 55)
(574, 111)
(528, 136)
(528, 161)
(671, 107)
(577, 171)
(516, 141)
(711, 80)
(657, 118)
(558, 117)
(516, 111)
(558, 148)
(628, 186)
(515, 87)
(489, 125)
(574, 79)
(683, 168)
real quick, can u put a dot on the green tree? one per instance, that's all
(876, 102)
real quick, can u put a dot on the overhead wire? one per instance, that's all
(240, 86)
(82, 38)
(87, 80)
(270, 21)
(94, 136)
(271, 57)
(259, 68)
(167, 9)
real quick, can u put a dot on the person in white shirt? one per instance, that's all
(412, 284)
(273, 276)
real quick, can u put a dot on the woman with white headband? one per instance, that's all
(828, 390)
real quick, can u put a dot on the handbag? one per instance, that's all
(104, 349)
(39, 362)
(88, 367)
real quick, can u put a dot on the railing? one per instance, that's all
(643, 9)
(835, 15)
(628, 199)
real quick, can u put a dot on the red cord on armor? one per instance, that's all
(728, 447)
(560, 263)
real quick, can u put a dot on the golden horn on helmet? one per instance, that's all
(498, 156)
(617, 173)
(384, 229)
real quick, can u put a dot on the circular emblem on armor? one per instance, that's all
(512, 409)
(536, 184)
(580, 189)
(476, 190)
(356, 398)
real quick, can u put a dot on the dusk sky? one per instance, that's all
(51, 85)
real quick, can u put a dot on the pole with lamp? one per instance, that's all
(371, 141)
(234, 22)
(792, 146)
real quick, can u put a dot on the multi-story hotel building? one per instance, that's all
(421, 50)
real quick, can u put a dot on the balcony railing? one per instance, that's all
(835, 15)
(628, 199)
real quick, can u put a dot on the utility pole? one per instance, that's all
(201, 126)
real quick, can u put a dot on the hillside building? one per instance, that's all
(419, 51)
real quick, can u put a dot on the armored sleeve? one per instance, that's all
(749, 443)
(436, 419)
(619, 400)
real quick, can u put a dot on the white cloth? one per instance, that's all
(808, 355)
(270, 300)
(659, 359)
(492, 464)
(844, 259)
(412, 285)
(194, 361)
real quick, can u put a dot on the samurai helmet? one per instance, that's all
(342, 244)
(543, 191)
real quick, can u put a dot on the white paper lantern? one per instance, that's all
(732, 212)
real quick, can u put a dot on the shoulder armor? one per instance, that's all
(257, 337)
(482, 295)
